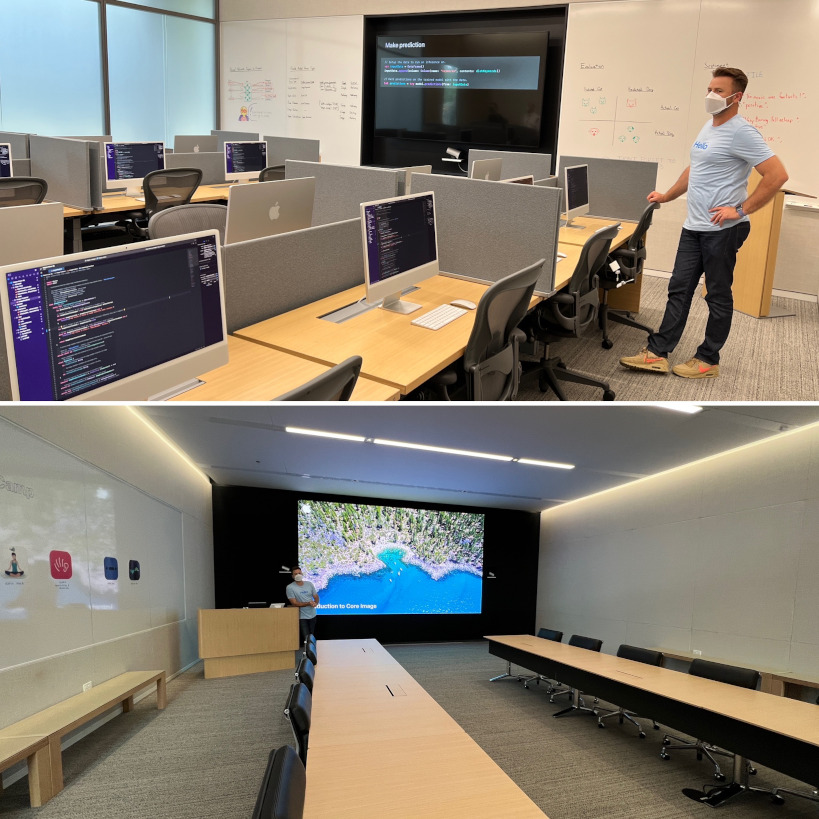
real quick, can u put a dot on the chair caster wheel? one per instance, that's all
(608, 395)
(642, 735)
(777, 799)
(719, 777)
(664, 755)
(656, 727)
(666, 741)
(606, 344)
(752, 771)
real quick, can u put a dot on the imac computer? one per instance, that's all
(5, 161)
(576, 190)
(244, 160)
(195, 143)
(521, 180)
(410, 170)
(400, 248)
(257, 211)
(486, 169)
(129, 323)
(131, 162)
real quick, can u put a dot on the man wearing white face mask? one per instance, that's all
(302, 593)
(717, 225)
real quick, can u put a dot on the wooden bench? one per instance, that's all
(38, 738)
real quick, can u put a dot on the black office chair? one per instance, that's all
(188, 219)
(733, 675)
(578, 706)
(310, 652)
(337, 384)
(272, 173)
(306, 673)
(164, 189)
(298, 710)
(630, 259)
(544, 634)
(22, 190)
(491, 365)
(640, 655)
(569, 312)
(281, 795)
(813, 796)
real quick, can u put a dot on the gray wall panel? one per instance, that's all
(281, 148)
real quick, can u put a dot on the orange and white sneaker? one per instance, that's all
(646, 360)
(696, 369)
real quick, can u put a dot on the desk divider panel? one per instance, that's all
(266, 277)
(22, 167)
(5, 378)
(212, 164)
(516, 163)
(72, 169)
(19, 144)
(617, 187)
(489, 230)
(235, 136)
(281, 148)
(340, 189)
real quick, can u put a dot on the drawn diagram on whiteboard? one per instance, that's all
(14, 569)
(253, 97)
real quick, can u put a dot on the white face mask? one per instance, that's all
(298, 578)
(715, 104)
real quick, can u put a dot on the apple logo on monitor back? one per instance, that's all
(196, 149)
(273, 213)
(486, 177)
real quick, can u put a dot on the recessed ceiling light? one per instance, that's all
(679, 406)
(445, 450)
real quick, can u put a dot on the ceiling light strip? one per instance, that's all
(318, 433)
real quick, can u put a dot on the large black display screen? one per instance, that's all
(461, 88)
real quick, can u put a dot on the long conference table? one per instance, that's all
(778, 732)
(380, 746)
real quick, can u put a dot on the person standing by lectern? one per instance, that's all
(302, 594)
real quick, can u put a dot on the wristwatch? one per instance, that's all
(740, 211)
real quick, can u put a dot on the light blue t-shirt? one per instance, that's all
(721, 161)
(302, 594)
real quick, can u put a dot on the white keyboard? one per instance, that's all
(437, 318)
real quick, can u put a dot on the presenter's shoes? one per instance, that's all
(696, 369)
(646, 360)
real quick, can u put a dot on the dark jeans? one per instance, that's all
(715, 254)
(306, 628)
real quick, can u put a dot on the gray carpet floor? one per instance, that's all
(770, 359)
(205, 754)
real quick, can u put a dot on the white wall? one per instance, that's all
(111, 445)
(720, 556)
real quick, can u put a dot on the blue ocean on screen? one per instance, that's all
(401, 589)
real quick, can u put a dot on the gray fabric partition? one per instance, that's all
(340, 189)
(71, 167)
(281, 148)
(234, 136)
(22, 167)
(5, 380)
(212, 164)
(617, 187)
(489, 230)
(266, 277)
(516, 163)
(18, 142)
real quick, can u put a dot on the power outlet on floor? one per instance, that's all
(87, 686)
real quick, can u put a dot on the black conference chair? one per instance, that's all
(298, 710)
(337, 384)
(813, 795)
(188, 219)
(640, 655)
(491, 364)
(22, 190)
(733, 675)
(630, 259)
(281, 795)
(578, 706)
(568, 313)
(544, 634)
(310, 652)
(164, 189)
(306, 673)
(272, 173)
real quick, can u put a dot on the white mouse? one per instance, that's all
(464, 303)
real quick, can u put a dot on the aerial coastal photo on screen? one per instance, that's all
(391, 560)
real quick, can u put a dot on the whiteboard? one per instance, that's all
(296, 78)
(636, 72)
(67, 521)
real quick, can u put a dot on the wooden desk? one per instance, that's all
(587, 227)
(373, 754)
(259, 373)
(774, 731)
(395, 352)
(246, 641)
